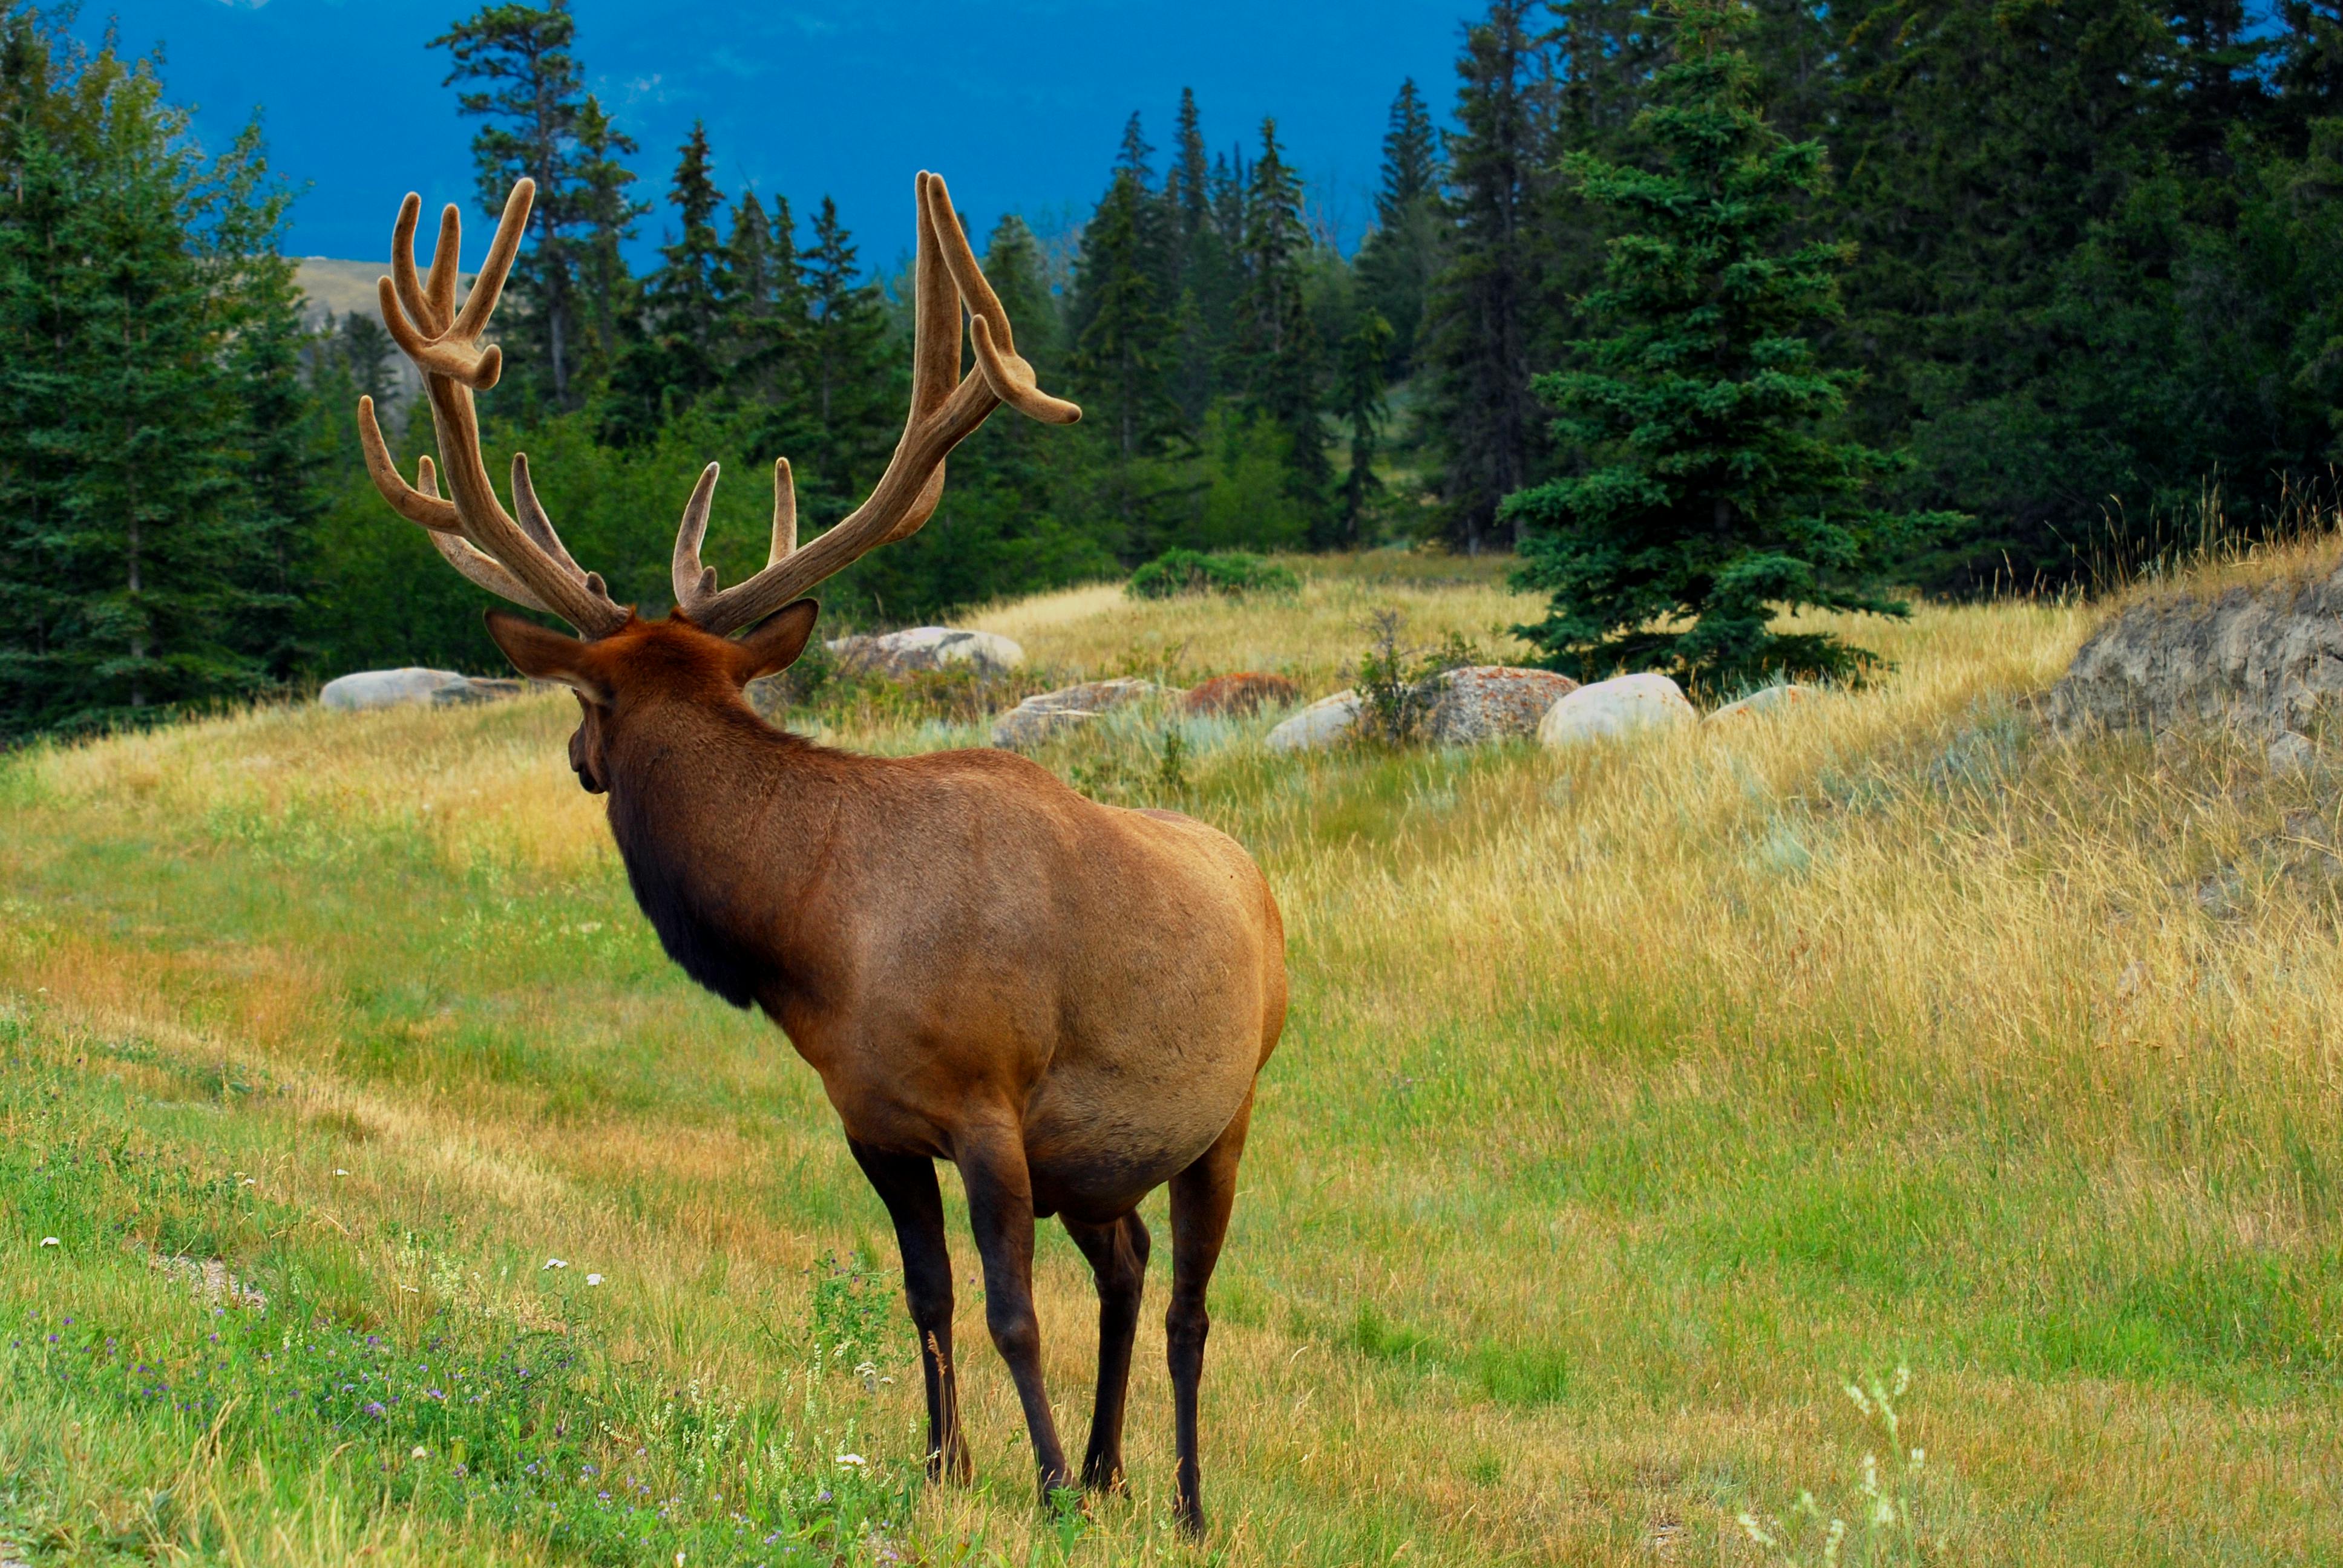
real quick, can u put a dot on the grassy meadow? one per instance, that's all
(1633, 1101)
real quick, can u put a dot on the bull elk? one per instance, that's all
(1069, 1001)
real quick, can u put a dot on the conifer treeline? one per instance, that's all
(2097, 258)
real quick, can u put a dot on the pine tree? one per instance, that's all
(1278, 355)
(540, 124)
(1484, 314)
(1711, 501)
(1404, 251)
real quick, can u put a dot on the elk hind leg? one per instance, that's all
(1001, 1210)
(906, 1183)
(1118, 1258)
(1202, 1198)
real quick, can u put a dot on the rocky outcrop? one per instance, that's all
(1246, 693)
(414, 686)
(927, 647)
(1624, 704)
(1764, 700)
(1489, 702)
(2266, 657)
(1052, 713)
(1322, 723)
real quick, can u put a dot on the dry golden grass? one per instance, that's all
(1634, 1098)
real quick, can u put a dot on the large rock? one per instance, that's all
(1322, 723)
(1050, 713)
(1246, 693)
(928, 648)
(1621, 706)
(414, 685)
(2265, 657)
(1763, 701)
(1489, 702)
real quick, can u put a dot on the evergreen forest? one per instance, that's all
(1997, 293)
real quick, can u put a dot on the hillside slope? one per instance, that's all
(1634, 1099)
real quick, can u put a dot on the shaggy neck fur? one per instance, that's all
(721, 821)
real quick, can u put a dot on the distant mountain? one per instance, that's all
(339, 287)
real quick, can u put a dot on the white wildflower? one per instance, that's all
(853, 1459)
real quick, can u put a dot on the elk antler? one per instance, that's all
(942, 415)
(524, 561)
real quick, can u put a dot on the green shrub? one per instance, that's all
(1232, 572)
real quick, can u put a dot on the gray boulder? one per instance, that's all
(928, 648)
(1052, 713)
(369, 689)
(1764, 700)
(1489, 702)
(1322, 723)
(1624, 704)
(2265, 657)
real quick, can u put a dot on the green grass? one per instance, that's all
(1632, 1101)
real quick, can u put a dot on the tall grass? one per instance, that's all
(1634, 1098)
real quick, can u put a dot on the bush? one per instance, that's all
(1395, 683)
(1235, 573)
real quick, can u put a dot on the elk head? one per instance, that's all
(622, 664)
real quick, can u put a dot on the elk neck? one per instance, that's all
(724, 824)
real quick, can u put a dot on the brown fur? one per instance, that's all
(977, 960)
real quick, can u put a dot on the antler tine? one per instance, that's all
(447, 254)
(405, 284)
(475, 368)
(785, 511)
(490, 284)
(694, 584)
(459, 554)
(523, 560)
(1011, 378)
(534, 519)
(938, 420)
(416, 506)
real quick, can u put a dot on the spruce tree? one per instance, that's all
(1279, 357)
(685, 295)
(144, 352)
(1482, 419)
(850, 405)
(1404, 251)
(1359, 400)
(1201, 293)
(1118, 362)
(1711, 501)
(606, 211)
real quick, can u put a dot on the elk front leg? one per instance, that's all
(1118, 1257)
(1001, 1210)
(907, 1185)
(1201, 1197)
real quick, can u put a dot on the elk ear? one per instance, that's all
(543, 654)
(773, 647)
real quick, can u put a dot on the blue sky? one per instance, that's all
(1020, 102)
